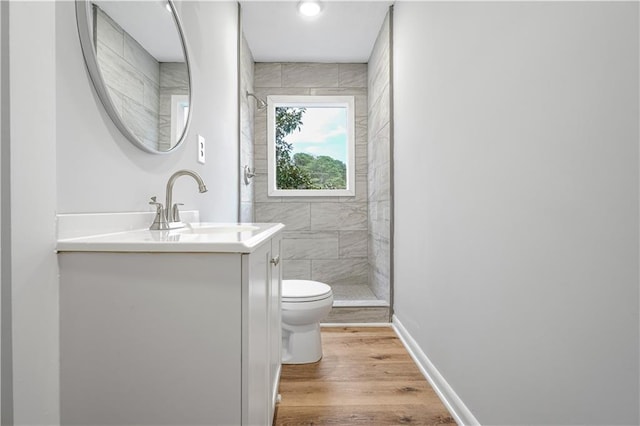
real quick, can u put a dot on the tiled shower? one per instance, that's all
(342, 241)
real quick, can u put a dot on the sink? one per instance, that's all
(215, 228)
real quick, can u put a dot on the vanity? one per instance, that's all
(176, 327)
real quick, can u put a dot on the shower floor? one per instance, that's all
(356, 304)
(355, 295)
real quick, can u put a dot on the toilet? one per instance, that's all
(304, 304)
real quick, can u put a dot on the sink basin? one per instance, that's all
(216, 228)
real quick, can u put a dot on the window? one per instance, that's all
(311, 146)
(179, 116)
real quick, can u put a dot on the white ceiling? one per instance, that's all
(345, 31)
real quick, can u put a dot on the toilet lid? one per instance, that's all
(304, 290)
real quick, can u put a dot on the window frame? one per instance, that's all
(310, 101)
(178, 117)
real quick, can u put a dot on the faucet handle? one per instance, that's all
(175, 212)
(160, 221)
(153, 202)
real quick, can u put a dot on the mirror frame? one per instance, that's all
(83, 19)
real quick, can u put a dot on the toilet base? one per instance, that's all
(301, 344)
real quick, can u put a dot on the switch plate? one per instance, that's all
(201, 149)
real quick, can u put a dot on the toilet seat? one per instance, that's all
(296, 291)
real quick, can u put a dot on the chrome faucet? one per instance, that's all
(173, 215)
(168, 216)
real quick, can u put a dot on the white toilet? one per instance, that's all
(304, 304)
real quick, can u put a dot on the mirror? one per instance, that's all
(137, 60)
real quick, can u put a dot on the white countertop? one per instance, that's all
(198, 237)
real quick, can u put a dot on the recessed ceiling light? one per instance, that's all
(309, 8)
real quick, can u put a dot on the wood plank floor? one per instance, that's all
(366, 377)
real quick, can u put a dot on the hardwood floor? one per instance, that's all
(366, 377)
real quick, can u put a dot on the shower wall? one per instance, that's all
(247, 111)
(379, 171)
(326, 237)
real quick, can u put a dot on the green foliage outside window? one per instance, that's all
(302, 170)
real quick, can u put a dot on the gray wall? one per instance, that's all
(32, 167)
(379, 148)
(66, 156)
(516, 204)
(5, 321)
(247, 113)
(326, 237)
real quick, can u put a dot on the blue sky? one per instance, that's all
(323, 132)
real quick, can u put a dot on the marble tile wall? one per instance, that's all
(326, 238)
(247, 112)
(134, 84)
(379, 165)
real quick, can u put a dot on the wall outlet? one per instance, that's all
(201, 149)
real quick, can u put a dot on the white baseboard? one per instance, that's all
(449, 398)
(355, 324)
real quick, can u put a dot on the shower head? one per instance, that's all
(260, 103)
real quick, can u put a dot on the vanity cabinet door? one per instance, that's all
(255, 349)
(150, 339)
(262, 341)
(275, 322)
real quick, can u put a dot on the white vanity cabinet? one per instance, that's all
(170, 337)
(262, 341)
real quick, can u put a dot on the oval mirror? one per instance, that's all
(137, 60)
